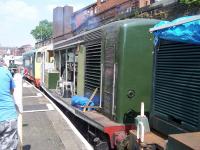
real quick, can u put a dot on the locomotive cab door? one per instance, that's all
(38, 65)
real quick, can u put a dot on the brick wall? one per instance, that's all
(107, 4)
(165, 11)
(143, 3)
(80, 16)
(8, 50)
(3, 52)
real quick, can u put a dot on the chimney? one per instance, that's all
(62, 20)
(67, 22)
(58, 22)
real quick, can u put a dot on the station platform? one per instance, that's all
(44, 126)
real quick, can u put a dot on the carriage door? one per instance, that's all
(43, 67)
(38, 64)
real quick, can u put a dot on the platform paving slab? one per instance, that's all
(45, 128)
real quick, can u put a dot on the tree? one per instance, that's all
(190, 2)
(43, 31)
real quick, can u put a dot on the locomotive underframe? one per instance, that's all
(114, 131)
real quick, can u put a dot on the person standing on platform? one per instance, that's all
(8, 113)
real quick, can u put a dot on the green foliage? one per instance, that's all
(43, 31)
(190, 2)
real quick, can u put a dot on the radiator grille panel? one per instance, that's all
(93, 65)
(93, 35)
(177, 82)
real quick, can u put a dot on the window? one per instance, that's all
(95, 10)
(39, 57)
(50, 57)
(146, 3)
(103, 1)
(27, 63)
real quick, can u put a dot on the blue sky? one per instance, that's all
(19, 17)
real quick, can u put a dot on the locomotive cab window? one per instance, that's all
(39, 57)
(50, 57)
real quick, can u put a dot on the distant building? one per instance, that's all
(23, 49)
(7, 50)
(15, 51)
(103, 5)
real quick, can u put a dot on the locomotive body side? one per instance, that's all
(127, 69)
(134, 78)
(37, 62)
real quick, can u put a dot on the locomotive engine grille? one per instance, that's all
(93, 65)
(177, 83)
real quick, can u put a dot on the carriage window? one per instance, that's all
(39, 57)
(50, 58)
(27, 62)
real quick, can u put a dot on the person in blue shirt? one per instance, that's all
(8, 113)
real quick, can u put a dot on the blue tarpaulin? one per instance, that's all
(78, 101)
(188, 32)
(95, 100)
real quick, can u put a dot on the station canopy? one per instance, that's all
(185, 29)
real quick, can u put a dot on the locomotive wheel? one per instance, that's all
(100, 145)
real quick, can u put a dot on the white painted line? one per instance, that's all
(87, 145)
(40, 110)
(31, 96)
(39, 94)
(27, 85)
(50, 107)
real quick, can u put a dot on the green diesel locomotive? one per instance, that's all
(117, 60)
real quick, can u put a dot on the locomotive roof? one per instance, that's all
(29, 52)
(190, 19)
(184, 29)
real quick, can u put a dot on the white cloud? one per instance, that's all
(17, 10)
